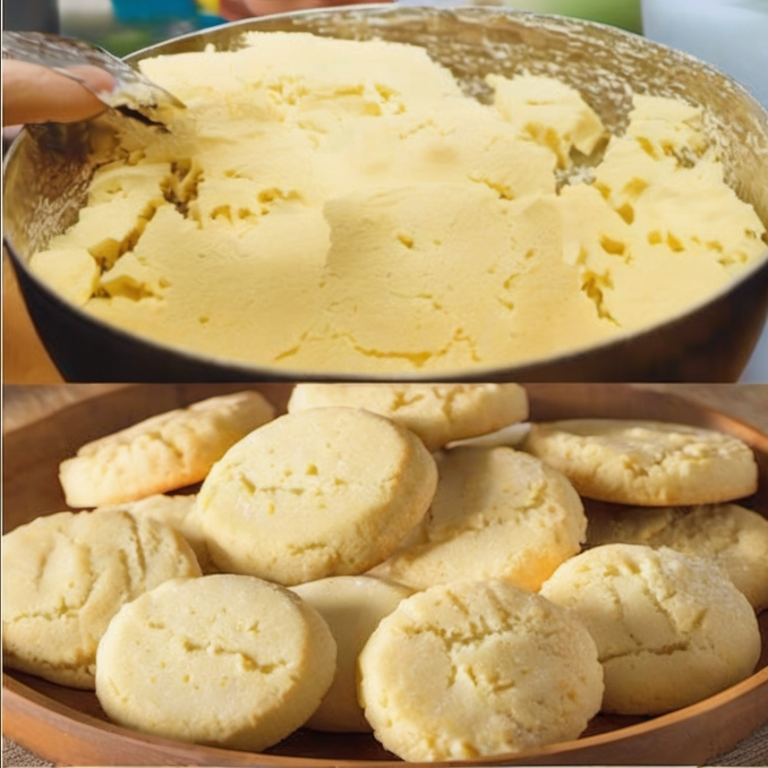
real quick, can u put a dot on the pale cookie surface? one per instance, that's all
(732, 536)
(497, 513)
(437, 413)
(646, 463)
(353, 606)
(66, 575)
(671, 629)
(174, 510)
(474, 669)
(227, 660)
(316, 493)
(163, 453)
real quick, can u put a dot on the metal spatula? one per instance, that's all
(134, 94)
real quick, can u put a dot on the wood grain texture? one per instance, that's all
(66, 726)
(25, 359)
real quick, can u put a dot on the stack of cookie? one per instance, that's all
(412, 560)
(674, 572)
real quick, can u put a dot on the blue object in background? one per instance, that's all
(146, 10)
(130, 11)
(125, 26)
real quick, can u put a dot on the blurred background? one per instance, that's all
(731, 34)
(123, 26)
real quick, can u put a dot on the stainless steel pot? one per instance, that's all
(48, 168)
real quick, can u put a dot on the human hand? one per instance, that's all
(241, 9)
(36, 94)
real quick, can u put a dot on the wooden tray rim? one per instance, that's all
(17, 695)
(19, 699)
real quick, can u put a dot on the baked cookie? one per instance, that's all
(474, 669)
(316, 493)
(732, 536)
(646, 463)
(66, 575)
(670, 629)
(353, 606)
(437, 413)
(174, 510)
(497, 513)
(163, 453)
(227, 660)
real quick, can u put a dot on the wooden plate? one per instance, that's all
(67, 726)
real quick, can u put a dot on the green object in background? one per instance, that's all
(122, 41)
(620, 13)
(122, 36)
(125, 26)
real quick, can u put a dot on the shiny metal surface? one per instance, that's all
(47, 173)
(62, 53)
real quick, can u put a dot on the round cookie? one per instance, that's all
(437, 413)
(66, 575)
(353, 606)
(670, 629)
(497, 513)
(474, 669)
(316, 493)
(730, 535)
(163, 453)
(223, 659)
(176, 511)
(646, 463)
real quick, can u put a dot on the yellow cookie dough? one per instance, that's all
(227, 660)
(670, 629)
(321, 492)
(474, 669)
(343, 206)
(66, 575)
